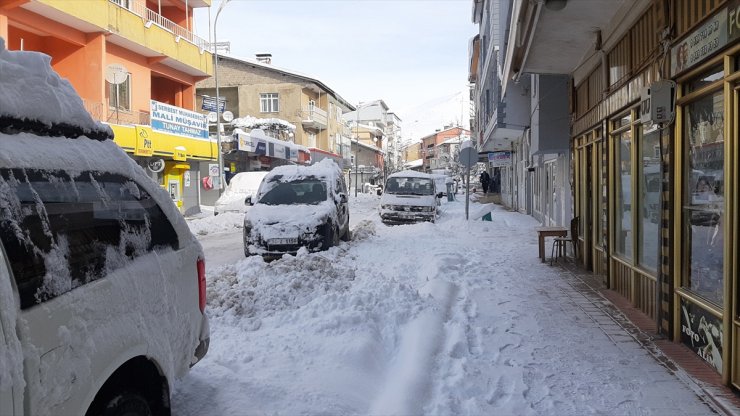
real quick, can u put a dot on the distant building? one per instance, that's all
(255, 88)
(430, 146)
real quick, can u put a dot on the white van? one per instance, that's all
(241, 186)
(409, 197)
(102, 285)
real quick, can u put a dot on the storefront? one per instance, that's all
(254, 150)
(658, 204)
(176, 152)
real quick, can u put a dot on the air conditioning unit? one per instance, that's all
(658, 102)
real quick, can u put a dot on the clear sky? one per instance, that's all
(405, 52)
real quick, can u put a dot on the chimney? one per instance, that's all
(265, 58)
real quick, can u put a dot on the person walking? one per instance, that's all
(485, 179)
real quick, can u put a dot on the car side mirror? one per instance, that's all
(440, 195)
(248, 200)
(343, 198)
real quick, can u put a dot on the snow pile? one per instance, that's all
(228, 221)
(30, 90)
(249, 122)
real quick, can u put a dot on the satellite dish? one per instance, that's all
(116, 74)
(212, 117)
(156, 165)
(227, 116)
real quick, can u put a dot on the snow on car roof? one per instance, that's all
(34, 97)
(410, 174)
(326, 168)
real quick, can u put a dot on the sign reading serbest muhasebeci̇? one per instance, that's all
(178, 121)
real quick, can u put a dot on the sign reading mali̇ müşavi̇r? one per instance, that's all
(167, 118)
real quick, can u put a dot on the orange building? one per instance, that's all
(135, 64)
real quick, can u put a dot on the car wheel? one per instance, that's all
(127, 404)
(331, 236)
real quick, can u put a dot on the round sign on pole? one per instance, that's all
(468, 157)
(212, 117)
(227, 116)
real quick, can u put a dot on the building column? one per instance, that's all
(4, 28)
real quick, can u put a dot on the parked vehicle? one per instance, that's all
(409, 197)
(242, 185)
(298, 206)
(102, 285)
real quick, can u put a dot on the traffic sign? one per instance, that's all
(468, 157)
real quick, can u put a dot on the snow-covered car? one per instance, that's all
(241, 186)
(409, 197)
(297, 206)
(102, 285)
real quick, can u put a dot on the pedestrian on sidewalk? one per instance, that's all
(485, 179)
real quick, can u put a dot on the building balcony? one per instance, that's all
(131, 25)
(314, 118)
(107, 114)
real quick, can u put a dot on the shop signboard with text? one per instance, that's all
(498, 159)
(169, 119)
(702, 333)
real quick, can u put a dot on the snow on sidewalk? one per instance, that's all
(457, 317)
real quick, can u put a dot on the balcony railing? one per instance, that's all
(314, 117)
(103, 112)
(139, 8)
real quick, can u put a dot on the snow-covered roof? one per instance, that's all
(289, 72)
(326, 168)
(410, 174)
(249, 122)
(367, 146)
(414, 163)
(33, 95)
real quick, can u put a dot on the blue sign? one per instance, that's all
(167, 118)
(261, 148)
(209, 103)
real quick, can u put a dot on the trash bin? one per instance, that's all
(450, 193)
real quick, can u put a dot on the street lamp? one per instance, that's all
(218, 101)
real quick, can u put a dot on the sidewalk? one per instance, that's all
(674, 357)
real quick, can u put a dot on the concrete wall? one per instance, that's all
(550, 116)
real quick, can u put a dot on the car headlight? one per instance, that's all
(386, 206)
(427, 209)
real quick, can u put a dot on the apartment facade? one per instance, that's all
(252, 88)
(412, 156)
(655, 194)
(377, 115)
(521, 129)
(135, 65)
(432, 145)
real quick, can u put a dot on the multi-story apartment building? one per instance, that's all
(376, 114)
(431, 146)
(522, 127)
(135, 64)
(256, 88)
(412, 156)
(655, 193)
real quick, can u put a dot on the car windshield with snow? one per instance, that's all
(409, 197)
(295, 207)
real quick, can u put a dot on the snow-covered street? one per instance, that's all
(457, 317)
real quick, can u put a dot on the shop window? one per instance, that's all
(648, 199)
(703, 202)
(714, 74)
(623, 206)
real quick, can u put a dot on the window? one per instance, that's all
(703, 201)
(648, 199)
(61, 232)
(624, 194)
(119, 95)
(269, 103)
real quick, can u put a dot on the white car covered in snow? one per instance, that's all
(241, 186)
(102, 285)
(409, 197)
(298, 206)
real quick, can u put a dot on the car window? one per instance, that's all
(410, 186)
(63, 231)
(309, 191)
